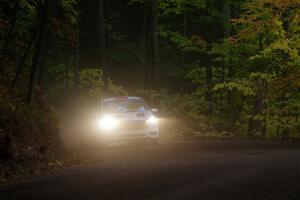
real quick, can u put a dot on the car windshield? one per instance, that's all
(119, 106)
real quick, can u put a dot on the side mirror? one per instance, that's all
(154, 110)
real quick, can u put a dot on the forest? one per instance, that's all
(224, 68)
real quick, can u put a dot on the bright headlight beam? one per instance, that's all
(152, 120)
(108, 123)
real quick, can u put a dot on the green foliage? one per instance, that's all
(265, 46)
(195, 44)
(180, 6)
(91, 83)
(69, 11)
(231, 72)
(176, 6)
(241, 87)
(116, 90)
(188, 109)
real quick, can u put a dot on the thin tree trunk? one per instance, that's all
(43, 63)
(182, 54)
(25, 55)
(155, 45)
(77, 55)
(108, 24)
(102, 45)
(234, 13)
(77, 62)
(51, 10)
(209, 73)
(230, 116)
(151, 44)
(36, 61)
(264, 129)
(209, 64)
(255, 125)
(286, 131)
(221, 95)
(226, 14)
(143, 69)
(148, 44)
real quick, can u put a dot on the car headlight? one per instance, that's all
(152, 120)
(108, 123)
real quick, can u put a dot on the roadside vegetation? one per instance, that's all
(214, 69)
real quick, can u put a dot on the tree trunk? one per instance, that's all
(143, 42)
(255, 125)
(108, 24)
(77, 54)
(209, 64)
(234, 13)
(77, 62)
(43, 62)
(150, 30)
(155, 45)
(209, 73)
(265, 104)
(36, 60)
(230, 116)
(148, 46)
(102, 42)
(226, 14)
(222, 96)
(182, 54)
(24, 56)
(286, 131)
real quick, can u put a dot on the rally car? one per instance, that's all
(127, 117)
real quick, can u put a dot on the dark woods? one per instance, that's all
(226, 67)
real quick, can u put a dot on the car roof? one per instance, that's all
(122, 98)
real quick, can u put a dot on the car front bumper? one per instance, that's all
(148, 133)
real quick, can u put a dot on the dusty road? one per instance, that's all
(174, 170)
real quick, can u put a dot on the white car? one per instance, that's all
(127, 118)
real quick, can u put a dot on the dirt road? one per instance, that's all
(174, 170)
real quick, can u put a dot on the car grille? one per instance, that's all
(133, 125)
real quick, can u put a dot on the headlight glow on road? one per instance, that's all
(108, 123)
(152, 120)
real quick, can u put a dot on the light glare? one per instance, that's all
(108, 123)
(152, 120)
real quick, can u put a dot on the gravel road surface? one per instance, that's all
(174, 170)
